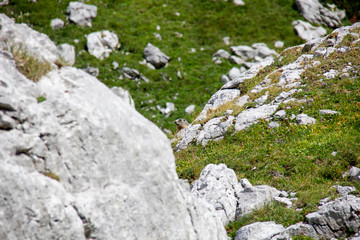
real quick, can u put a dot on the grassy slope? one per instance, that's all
(203, 25)
(292, 158)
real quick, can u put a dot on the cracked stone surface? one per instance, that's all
(84, 164)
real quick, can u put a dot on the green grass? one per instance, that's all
(203, 25)
(294, 158)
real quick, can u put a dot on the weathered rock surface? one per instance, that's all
(337, 218)
(307, 31)
(218, 185)
(314, 12)
(115, 170)
(67, 53)
(259, 231)
(155, 56)
(214, 129)
(124, 95)
(353, 174)
(101, 44)
(56, 23)
(133, 74)
(20, 37)
(81, 13)
(304, 119)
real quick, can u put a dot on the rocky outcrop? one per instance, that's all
(334, 220)
(314, 12)
(286, 79)
(307, 31)
(81, 13)
(57, 23)
(155, 56)
(101, 44)
(67, 53)
(218, 185)
(83, 164)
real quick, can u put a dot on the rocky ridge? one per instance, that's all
(78, 162)
(283, 83)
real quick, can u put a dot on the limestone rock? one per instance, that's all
(298, 229)
(56, 23)
(353, 173)
(239, 3)
(345, 190)
(124, 95)
(133, 74)
(81, 13)
(274, 124)
(190, 109)
(328, 112)
(221, 53)
(218, 185)
(214, 129)
(67, 53)
(254, 197)
(189, 135)
(250, 116)
(314, 12)
(20, 37)
(304, 119)
(307, 31)
(115, 170)
(101, 44)
(280, 114)
(155, 57)
(279, 44)
(259, 231)
(92, 71)
(335, 219)
(4, 2)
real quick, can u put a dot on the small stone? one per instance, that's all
(344, 190)
(245, 183)
(190, 109)
(273, 125)
(115, 65)
(280, 114)
(328, 112)
(292, 194)
(6, 104)
(56, 23)
(226, 40)
(304, 119)
(224, 79)
(283, 194)
(239, 3)
(279, 44)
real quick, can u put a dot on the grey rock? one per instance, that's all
(67, 53)
(190, 109)
(170, 107)
(316, 13)
(101, 44)
(6, 104)
(236, 60)
(331, 74)
(320, 52)
(234, 73)
(224, 79)
(345, 190)
(218, 186)
(304, 119)
(353, 173)
(261, 100)
(254, 197)
(92, 71)
(155, 57)
(116, 169)
(328, 112)
(221, 53)
(336, 218)
(133, 74)
(324, 201)
(283, 96)
(124, 95)
(283, 194)
(245, 52)
(241, 101)
(189, 135)
(239, 2)
(56, 23)
(301, 229)
(279, 44)
(6, 123)
(214, 129)
(81, 13)
(274, 124)
(245, 183)
(259, 231)
(221, 97)
(20, 37)
(280, 114)
(226, 40)
(283, 200)
(250, 116)
(307, 31)
(115, 65)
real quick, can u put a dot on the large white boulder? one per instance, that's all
(307, 31)
(101, 44)
(81, 13)
(82, 163)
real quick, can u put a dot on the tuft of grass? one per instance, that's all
(29, 66)
(51, 175)
(41, 99)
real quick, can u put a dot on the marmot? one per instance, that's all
(181, 124)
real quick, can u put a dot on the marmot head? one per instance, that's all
(181, 123)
